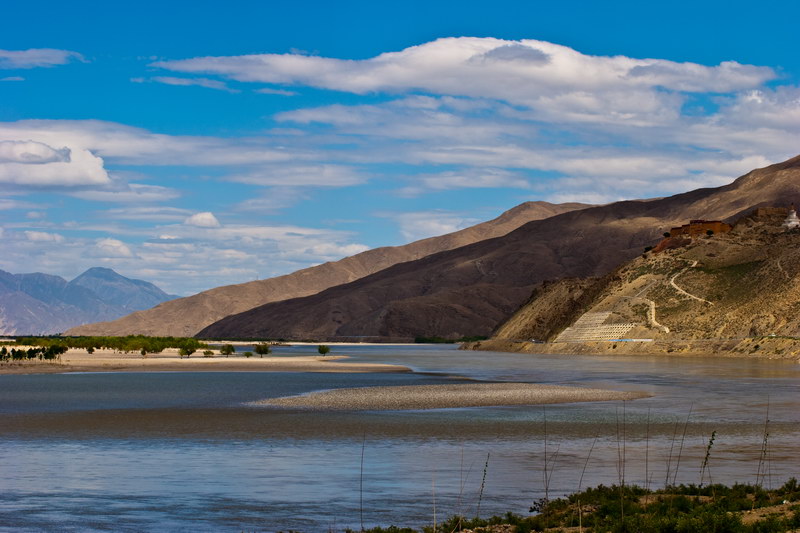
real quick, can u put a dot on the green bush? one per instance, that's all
(323, 349)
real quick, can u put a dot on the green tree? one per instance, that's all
(263, 349)
(187, 351)
(323, 349)
(227, 349)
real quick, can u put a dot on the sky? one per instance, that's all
(198, 144)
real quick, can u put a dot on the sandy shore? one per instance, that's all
(77, 360)
(443, 396)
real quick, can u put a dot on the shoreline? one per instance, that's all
(78, 360)
(765, 348)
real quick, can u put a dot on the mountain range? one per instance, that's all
(462, 284)
(43, 304)
(187, 316)
(469, 291)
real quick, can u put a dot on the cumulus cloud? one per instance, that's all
(37, 57)
(37, 164)
(112, 248)
(30, 152)
(202, 220)
(526, 72)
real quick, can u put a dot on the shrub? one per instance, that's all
(248, 354)
(227, 349)
(323, 349)
(208, 353)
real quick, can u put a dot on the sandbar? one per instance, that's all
(78, 360)
(446, 396)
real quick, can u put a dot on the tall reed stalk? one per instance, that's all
(704, 467)
(483, 484)
(680, 451)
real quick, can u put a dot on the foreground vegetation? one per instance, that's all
(130, 343)
(680, 509)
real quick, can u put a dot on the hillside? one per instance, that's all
(44, 304)
(721, 286)
(470, 290)
(187, 316)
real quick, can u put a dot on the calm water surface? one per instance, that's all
(183, 452)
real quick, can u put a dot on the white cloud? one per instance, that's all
(12, 78)
(31, 153)
(112, 248)
(535, 74)
(136, 146)
(153, 214)
(186, 82)
(202, 220)
(292, 175)
(41, 236)
(423, 224)
(37, 57)
(129, 193)
(279, 92)
(40, 165)
(469, 178)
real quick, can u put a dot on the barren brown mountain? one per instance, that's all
(735, 293)
(186, 316)
(470, 290)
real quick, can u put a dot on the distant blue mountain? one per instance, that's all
(40, 304)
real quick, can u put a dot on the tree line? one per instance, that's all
(129, 343)
(42, 353)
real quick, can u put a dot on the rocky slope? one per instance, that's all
(470, 290)
(741, 284)
(45, 304)
(187, 316)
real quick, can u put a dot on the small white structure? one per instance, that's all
(791, 221)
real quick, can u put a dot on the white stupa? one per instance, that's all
(791, 221)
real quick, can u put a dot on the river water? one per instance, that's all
(183, 451)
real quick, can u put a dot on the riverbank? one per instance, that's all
(752, 348)
(744, 508)
(105, 360)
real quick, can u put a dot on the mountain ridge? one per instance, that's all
(470, 290)
(43, 304)
(187, 316)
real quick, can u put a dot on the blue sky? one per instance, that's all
(196, 144)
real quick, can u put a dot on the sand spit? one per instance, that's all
(77, 360)
(444, 396)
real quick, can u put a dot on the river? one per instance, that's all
(183, 451)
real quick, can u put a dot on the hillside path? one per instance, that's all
(675, 286)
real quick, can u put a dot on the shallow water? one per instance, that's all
(181, 451)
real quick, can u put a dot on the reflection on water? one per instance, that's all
(180, 452)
